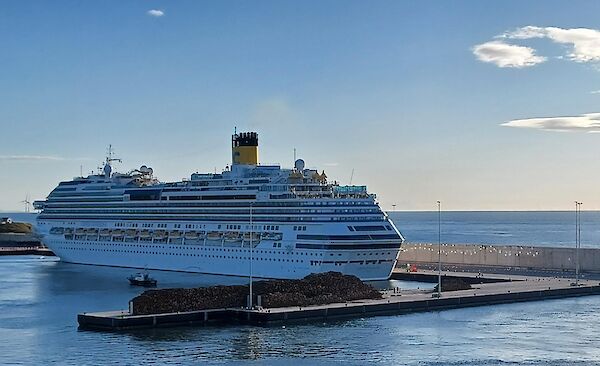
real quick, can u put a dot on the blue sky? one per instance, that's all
(411, 95)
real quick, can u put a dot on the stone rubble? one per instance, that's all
(314, 289)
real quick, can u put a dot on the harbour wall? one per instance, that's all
(19, 240)
(518, 256)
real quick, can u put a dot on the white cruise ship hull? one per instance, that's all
(225, 259)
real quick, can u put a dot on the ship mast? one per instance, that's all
(109, 160)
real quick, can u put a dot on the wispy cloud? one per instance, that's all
(36, 158)
(595, 92)
(584, 42)
(589, 122)
(583, 46)
(507, 55)
(155, 13)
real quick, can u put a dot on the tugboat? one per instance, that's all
(142, 279)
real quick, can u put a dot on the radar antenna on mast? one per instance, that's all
(109, 159)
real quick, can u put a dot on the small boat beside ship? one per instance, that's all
(142, 279)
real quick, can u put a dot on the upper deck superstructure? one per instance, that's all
(294, 221)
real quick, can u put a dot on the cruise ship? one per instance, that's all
(254, 220)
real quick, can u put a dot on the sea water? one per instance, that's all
(537, 228)
(40, 299)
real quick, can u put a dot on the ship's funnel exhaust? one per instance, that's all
(244, 148)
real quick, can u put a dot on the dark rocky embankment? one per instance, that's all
(18, 235)
(16, 228)
(314, 289)
(453, 284)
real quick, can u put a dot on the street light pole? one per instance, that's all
(439, 206)
(578, 239)
(251, 254)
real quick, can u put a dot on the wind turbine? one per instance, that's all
(27, 203)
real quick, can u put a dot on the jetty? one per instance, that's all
(485, 290)
(27, 250)
(19, 238)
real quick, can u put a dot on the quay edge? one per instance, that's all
(534, 289)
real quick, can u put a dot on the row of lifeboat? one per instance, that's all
(230, 236)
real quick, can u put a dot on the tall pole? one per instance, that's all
(578, 239)
(439, 204)
(251, 253)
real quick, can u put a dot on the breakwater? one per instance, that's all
(19, 240)
(404, 302)
(512, 256)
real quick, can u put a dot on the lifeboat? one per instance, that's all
(80, 231)
(145, 234)
(92, 231)
(272, 236)
(159, 234)
(117, 232)
(130, 233)
(68, 231)
(255, 237)
(104, 232)
(191, 235)
(232, 236)
(57, 231)
(214, 235)
(175, 234)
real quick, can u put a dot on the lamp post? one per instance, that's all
(577, 239)
(579, 235)
(251, 255)
(439, 207)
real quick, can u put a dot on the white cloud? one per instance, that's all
(155, 13)
(30, 157)
(507, 55)
(595, 92)
(524, 33)
(36, 158)
(589, 122)
(584, 43)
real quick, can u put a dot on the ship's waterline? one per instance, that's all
(282, 223)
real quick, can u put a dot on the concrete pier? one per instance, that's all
(404, 302)
(26, 251)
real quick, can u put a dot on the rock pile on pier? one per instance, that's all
(314, 289)
(453, 284)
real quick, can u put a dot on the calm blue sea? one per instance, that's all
(40, 298)
(544, 228)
